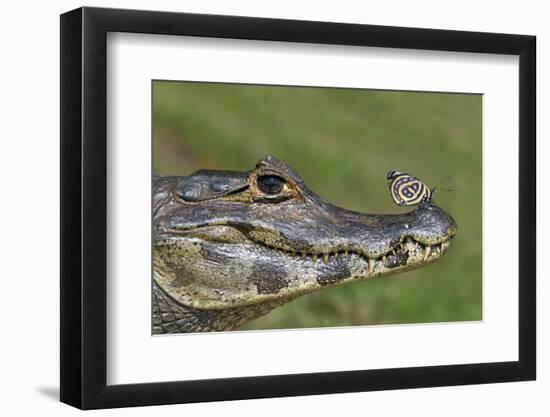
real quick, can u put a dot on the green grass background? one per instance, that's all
(342, 142)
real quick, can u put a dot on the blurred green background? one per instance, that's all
(342, 142)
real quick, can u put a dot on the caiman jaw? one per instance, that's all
(409, 250)
(219, 266)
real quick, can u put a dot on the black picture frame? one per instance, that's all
(84, 207)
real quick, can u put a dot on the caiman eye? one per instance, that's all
(270, 184)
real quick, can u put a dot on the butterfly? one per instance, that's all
(407, 190)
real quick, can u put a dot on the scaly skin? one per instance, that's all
(228, 250)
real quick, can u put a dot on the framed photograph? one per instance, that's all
(258, 208)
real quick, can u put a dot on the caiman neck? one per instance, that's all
(171, 317)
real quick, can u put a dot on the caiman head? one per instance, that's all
(231, 246)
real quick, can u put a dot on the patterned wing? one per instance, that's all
(407, 190)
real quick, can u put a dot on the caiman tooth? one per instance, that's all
(346, 252)
(315, 257)
(303, 255)
(372, 262)
(427, 251)
(383, 259)
(325, 257)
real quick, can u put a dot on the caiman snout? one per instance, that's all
(319, 230)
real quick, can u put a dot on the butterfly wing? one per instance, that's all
(407, 190)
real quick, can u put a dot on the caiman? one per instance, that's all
(230, 246)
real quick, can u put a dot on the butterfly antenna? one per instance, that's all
(442, 181)
(439, 188)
